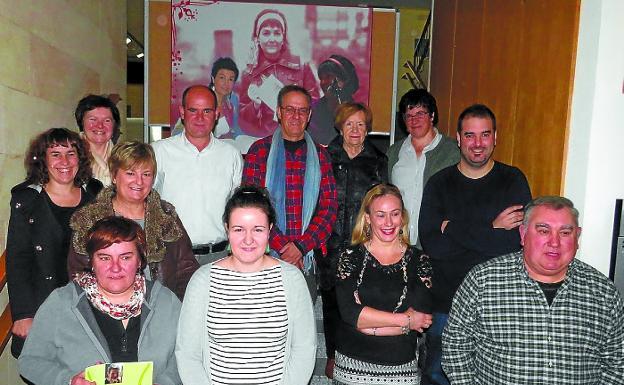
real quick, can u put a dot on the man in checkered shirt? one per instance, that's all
(298, 174)
(537, 316)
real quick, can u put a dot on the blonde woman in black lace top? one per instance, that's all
(383, 295)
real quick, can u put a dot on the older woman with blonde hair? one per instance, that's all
(170, 258)
(383, 296)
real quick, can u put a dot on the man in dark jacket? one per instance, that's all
(469, 214)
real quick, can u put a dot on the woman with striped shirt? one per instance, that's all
(247, 318)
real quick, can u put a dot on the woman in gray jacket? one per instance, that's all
(247, 318)
(110, 314)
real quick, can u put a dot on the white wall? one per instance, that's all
(594, 175)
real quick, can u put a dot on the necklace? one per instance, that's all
(367, 257)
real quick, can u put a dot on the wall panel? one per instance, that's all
(159, 56)
(517, 57)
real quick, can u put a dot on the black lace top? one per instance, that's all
(382, 287)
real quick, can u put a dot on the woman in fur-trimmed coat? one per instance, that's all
(169, 254)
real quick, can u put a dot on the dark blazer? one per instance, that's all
(35, 261)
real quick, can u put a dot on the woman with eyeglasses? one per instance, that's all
(358, 165)
(271, 66)
(383, 295)
(425, 151)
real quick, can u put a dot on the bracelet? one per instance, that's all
(406, 329)
(374, 331)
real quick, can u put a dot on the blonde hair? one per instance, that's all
(126, 155)
(361, 230)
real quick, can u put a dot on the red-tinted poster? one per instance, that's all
(255, 49)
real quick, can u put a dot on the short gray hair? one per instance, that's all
(553, 202)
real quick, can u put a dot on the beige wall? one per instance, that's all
(53, 53)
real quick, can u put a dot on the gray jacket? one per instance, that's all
(445, 154)
(193, 352)
(65, 337)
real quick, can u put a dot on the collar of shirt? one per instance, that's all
(524, 274)
(188, 146)
(407, 144)
(408, 174)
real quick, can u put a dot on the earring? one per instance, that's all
(229, 249)
(367, 231)
(268, 249)
(400, 231)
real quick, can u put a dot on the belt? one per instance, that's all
(209, 248)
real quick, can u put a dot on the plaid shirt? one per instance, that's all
(319, 229)
(501, 329)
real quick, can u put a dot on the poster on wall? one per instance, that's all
(248, 51)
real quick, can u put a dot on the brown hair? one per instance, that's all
(113, 229)
(91, 102)
(126, 155)
(359, 234)
(35, 160)
(346, 110)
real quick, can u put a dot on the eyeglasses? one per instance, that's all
(416, 115)
(290, 111)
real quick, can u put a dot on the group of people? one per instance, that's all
(433, 263)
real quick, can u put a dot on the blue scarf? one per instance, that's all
(275, 182)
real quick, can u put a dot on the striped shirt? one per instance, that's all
(247, 326)
(501, 329)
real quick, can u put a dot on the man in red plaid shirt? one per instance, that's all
(298, 174)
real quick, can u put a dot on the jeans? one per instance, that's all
(433, 373)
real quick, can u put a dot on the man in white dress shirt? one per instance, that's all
(197, 172)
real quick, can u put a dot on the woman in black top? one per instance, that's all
(358, 165)
(383, 295)
(58, 181)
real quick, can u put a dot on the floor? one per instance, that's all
(318, 377)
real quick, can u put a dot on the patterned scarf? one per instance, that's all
(88, 283)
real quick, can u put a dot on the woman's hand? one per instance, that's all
(79, 379)
(418, 321)
(21, 327)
